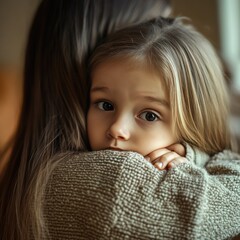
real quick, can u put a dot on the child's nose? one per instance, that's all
(119, 130)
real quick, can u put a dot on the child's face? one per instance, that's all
(128, 109)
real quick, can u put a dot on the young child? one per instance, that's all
(154, 85)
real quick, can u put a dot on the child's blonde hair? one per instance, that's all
(192, 73)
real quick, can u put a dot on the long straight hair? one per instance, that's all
(191, 70)
(52, 122)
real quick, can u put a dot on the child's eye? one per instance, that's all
(105, 106)
(149, 116)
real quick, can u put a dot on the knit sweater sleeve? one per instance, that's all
(119, 195)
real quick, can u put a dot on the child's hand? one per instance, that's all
(166, 158)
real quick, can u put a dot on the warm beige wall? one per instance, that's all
(204, 15)
(15, 18)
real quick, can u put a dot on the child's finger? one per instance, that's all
(162, 161)
(158, 165)
(157, 154)
(176, 161)
(178, 148)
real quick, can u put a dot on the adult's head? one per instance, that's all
(190, 69)
(62, 35)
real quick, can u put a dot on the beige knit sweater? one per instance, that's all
(119, 195)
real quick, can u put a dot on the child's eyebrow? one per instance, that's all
(96, 89)
(157, 100)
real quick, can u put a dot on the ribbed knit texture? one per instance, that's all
(119, 195)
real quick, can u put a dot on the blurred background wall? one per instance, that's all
(218, 20)
(15, 18)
